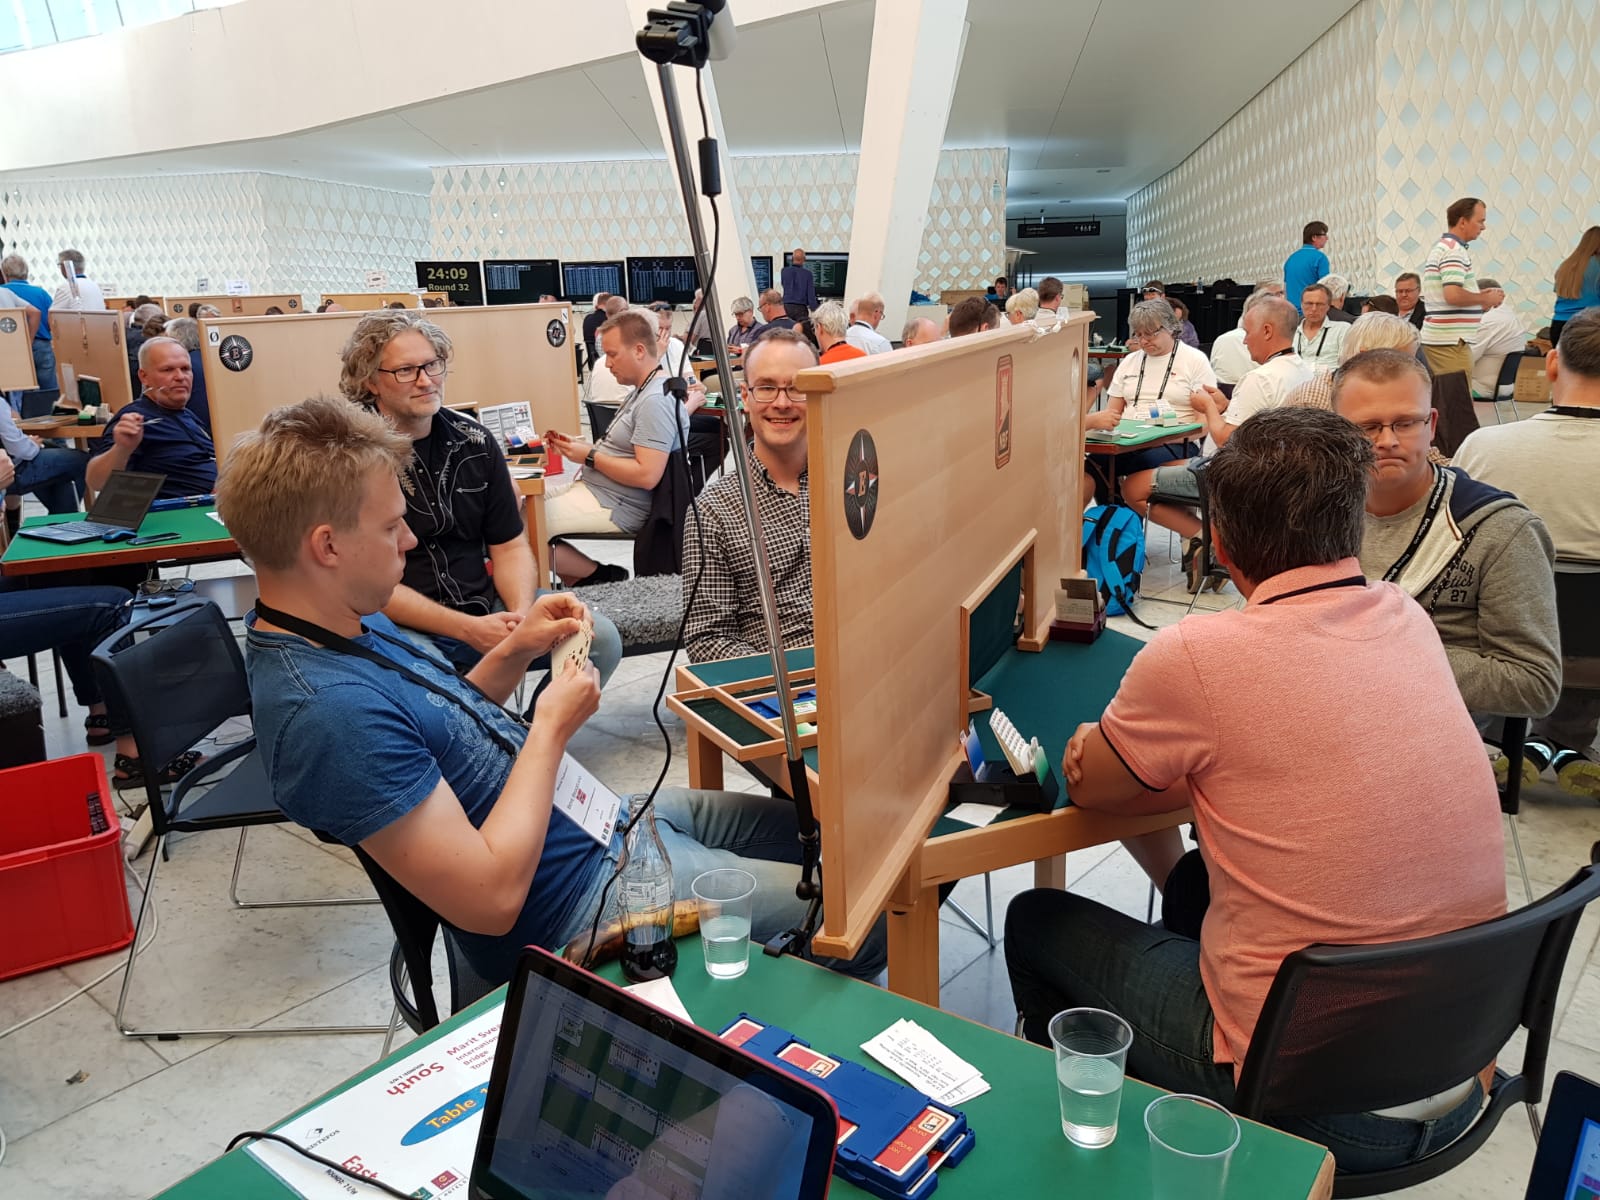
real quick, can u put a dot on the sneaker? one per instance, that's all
(605, 573)
(1191, 566)
(1576, 775)
(1536, 757)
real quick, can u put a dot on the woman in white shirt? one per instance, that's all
(1163, 374)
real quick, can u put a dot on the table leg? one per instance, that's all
(1051, 873)
(914, 947)
(705, 762)
(539, 537)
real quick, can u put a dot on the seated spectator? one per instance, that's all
(972, 315)
(1498, 334)
(603, 386)
(136, 338)
(1230, 361)
(54, 476)
(1318, 339)
(1225, 712)
(328, 306)
(469, 577)
(1338, 288)
(1370, 331)
(674, 354)
(745, 329)
(999, 292)
(1051, 299)
(157, 432)
(1022, 307)
(1279, 370)
(1186, 333)
(719, 574)
(273, 310)
(1380, 303)
(699, 320)
(1551, 462)
(1577, 281)
(1408, 297)
(612, 493)
(866, 314)
(919, 331)
(211, 311)
(1154, 290)
(831, 325)
(1483, 574)
(425, 771)
(186, 332)
(773, 316)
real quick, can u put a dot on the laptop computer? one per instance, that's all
(1567, 1163)
(120, 506)
(596, 1093)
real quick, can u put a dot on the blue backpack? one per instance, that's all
(1113, 555)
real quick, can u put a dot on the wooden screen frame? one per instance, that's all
(369, 301)
(94, 343)
(500, 354)
(236, 306)
(16, 355)
(949, 520)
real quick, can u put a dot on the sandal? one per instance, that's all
(97, 729)
(130, 769)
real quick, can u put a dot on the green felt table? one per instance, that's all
(1136, 433)
(1020, 1151)
(200, 536)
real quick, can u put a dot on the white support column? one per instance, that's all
(734, 275)
(911, 80)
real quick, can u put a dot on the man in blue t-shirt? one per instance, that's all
(375, 741)
(14, 272)
(157, 432)
(1307, 264)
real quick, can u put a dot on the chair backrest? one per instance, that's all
(600, 418)
(1577, 602)
(1508, 375)
(1348, 1029)
(1452, 396)
(174, 674)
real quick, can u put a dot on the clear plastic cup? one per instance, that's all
(726, 899)
(1091, 1055)
(1191, 1143)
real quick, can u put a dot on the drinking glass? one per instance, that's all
(726, 899)
(1191, 1141)
(1091, 1054)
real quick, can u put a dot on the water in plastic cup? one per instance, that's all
(1191, 1142)
(725, 898)
(1091, 1053)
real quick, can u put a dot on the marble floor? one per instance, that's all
(91, 1115)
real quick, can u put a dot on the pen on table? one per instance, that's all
(154, 537)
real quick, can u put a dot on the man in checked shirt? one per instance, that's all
(725, 616)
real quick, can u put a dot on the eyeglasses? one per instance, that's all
(408, 374)
(1373, 430)
(766, 393)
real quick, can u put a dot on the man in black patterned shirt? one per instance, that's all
(725, 618)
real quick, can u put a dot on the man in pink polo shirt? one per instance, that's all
(1318, 821)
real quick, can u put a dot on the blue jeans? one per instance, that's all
(72, 620)
(54, 476)
(706, 830)
(605, 652)
(1066, 951)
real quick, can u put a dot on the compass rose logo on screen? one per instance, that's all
(861, 484)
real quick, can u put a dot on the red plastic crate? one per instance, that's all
(61, 884)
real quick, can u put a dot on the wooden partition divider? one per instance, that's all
(119, 302)
(16, 353)
(367, 301)
(929, 469)
(94, 343)
(514, 352)
(236, 306)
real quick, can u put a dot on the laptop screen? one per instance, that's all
(591, 1102)
(126, 498)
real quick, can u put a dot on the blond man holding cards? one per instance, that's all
(380, 744)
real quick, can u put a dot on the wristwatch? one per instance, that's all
(589, 458)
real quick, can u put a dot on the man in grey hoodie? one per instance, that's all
(1474, 557)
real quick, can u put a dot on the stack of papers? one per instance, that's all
(926, 1063)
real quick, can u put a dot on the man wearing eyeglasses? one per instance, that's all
(719, 567)
(470, 579)
(1476, 559)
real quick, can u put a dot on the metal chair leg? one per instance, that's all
(1533, 1119)
(1150, 905)
(394, 1018)
(61, 688)
(233, 888)
(1516, 843)
(972, 922)
(988, 905)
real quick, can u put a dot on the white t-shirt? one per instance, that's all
(1138, 380)
(603, 385)
(1229, 359)
(1550, 463)
(864, 337)
(675, 357)
(1321, 349)
(89, 297)
(1266, 386)
(1498, 334)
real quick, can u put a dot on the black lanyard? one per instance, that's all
(1299, 346)
(1139, 383)
(1574, 410)
(1278, 354)
(1434, 499)
(1347, 581)
(626, 405)
(343, 645)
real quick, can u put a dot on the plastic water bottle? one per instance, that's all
(645, 894)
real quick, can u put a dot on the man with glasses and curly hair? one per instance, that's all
(469, 580)
(1476, 559)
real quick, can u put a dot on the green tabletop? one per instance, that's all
(1020, 1151)
(200, 535)
(1138, 431)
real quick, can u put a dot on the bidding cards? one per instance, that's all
(572, 649)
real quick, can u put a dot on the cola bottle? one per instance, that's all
(645, 896)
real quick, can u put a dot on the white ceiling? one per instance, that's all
(1094, 100)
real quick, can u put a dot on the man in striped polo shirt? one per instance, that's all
(1449, 290)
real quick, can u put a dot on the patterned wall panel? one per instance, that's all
(1299, 151)
(163, 233)
(613, 209)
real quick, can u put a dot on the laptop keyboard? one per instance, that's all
(90, 528)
